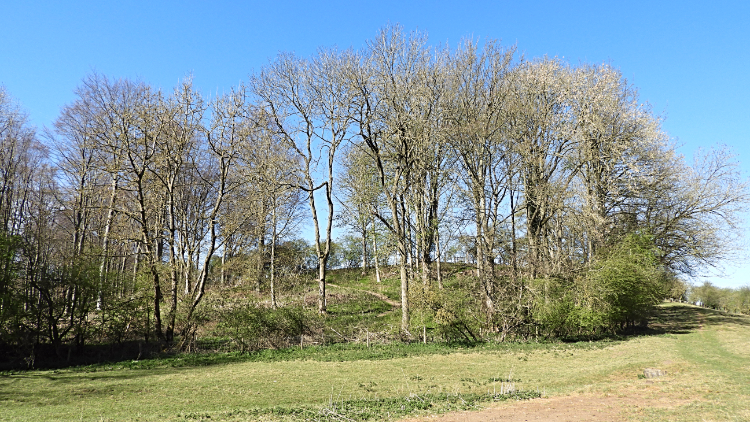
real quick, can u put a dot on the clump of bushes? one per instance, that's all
(451, 314)
(617, 291)
(252, 325)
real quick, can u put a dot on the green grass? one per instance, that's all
(338, 352)
(354, 311)
(704, 352)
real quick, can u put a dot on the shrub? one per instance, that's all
(454, 313)
(632, 280)
(569, 308)
(253, 326)
(619, 289)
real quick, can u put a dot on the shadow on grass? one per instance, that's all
(672, 318)
(337, 352)
(667, 319)
(684, 319)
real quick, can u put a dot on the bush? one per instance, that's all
(619, 290)
(253, 326)
(569, 308)
(454, 314)
(632, 280)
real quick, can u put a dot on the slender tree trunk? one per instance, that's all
(404, 288)
(479, 240)
(122, 291)
(136, 264)
(157, 301)
(173, 263)
(261, 260)
(273, 254)
(105, 242)
(375, 251)
(322, 254)
(152, 248)
(364, 248)
(514, 252)
(189, 269)
(223, 264)
(438, 258)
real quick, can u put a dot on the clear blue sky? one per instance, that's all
(689, 59)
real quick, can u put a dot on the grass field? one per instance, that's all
(706, 355)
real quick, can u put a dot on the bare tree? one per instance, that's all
(694, 212)
(393, 103)
(541, 134)
(307, 101)
(479, 135)
(182, 117)
(272, 169)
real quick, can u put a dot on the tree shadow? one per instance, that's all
(672, 318)
(685, 319)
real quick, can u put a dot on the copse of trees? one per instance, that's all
(548, 167)
(725, 299)
(556, 180)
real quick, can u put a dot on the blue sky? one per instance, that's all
(689, 59)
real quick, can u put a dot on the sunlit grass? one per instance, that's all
(708, 378)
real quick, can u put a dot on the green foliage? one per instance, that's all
(568, 308)
(352, 313)
(455, 314)
(731, 300)
(252, 325)
(619, 289)
(122, 319)
(675, 288)
(631, 278)
(295, 255)
(11, 308)
(350, 251)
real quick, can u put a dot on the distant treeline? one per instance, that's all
(722, 298)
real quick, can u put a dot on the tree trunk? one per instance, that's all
(364, 248)
(438, 258)
(261, 260)
(223, 265)
(105, 243)
(273, 254)
(404, 288)
(375, 251)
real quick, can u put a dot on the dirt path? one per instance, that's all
(384, 298)
(573, 408)
(556, 409)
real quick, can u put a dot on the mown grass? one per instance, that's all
(338, 352)
(712, 368)
(704, 352)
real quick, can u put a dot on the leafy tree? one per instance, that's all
(619, 289)
(350, 248)
(632, 278)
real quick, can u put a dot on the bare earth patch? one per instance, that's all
(554, 409)
(578, 407)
